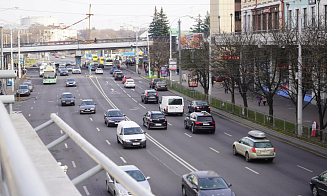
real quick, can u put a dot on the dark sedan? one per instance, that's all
(67, 99)
(318, 184)
(154, 119)
(87, 106)
(198, 106)
(64, 72)
(23, 90)
(202, 183)
(154, 82)
(113, 116)
(161, 86)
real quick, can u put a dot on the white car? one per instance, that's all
(76, 70)
(130, 134)
(115, 188)
(63, 57)
(99, 71)
(129, 83)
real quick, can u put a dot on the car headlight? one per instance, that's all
(91, 108)
(72, 100)
(126, 140)
(74, 82)
(143, 139)
(63, 101)
(111, 121)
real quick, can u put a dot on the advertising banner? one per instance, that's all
(172, 65)
(164, 71)
(192, 41)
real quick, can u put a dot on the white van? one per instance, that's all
(171, 105)
(130, 134)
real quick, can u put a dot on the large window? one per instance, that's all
(305, 17)
(296, 18)
(289, 19)
(313, 16)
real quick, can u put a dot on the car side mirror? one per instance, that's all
(144, 132)
(239, 141)
(148, 177)
(110, 181)
(124, 114)
(229, 184)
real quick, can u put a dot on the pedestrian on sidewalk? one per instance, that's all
(259, 99)
(226, 88)
(264, 99)
(1, 93)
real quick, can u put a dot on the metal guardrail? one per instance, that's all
(103, 162)
(19, 176)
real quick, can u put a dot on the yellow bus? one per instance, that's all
(95, 58)
(101, 60)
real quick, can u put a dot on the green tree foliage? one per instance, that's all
(202, 25)
(159, 24)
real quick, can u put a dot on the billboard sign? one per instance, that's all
(164, 71)
(172, 65)
(192, 41)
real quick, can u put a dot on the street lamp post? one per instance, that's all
(245, 27)
(288, 17)
(219, 24)
(318, 1)
(231, 22)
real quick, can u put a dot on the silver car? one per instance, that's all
(255, 146)
(30, 85)
(76, 70)
(115, 188)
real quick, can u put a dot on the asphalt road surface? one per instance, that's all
(169, 153)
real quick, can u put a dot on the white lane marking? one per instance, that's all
(91, 119)
(29, 114)
(187, 135)
(34, 101)
(61, 131)
(123, 159)
(128, 95)
(304, 168)
(214, 150)
(252, 170)
(98, 129)
(227, 134)
(57, 106)
(76, 90)
(108, 142)
(134, 100)
(66, 146)
(50, 101)
(140, 81)
(170, 124)
(106, 82)
(133, 109)
(74, 165)
(133, 89)
(79, 95)
(86, 191)
(57, 95)
(38, 93)
(140, 87)
(124, 91)
(31, 108)
(142, 106)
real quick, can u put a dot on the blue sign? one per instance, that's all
(78, 63)
(21, 62)
(90, 55)
(90, 67)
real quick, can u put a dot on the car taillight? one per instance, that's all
(157, 95)
(197, 107)
(274, 149)
(197, 123)
(150, 120)
(165, 119)
(209, 107)
(133, 82)
(167, 108)
(146, 94)
(253, 149)
(213, 123)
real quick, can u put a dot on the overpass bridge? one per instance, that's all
(110, 44)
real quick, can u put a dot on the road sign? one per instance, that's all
(90, 67)
(78, 62)
(21, 62)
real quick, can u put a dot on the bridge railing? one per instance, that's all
(74, 42)
(18, 174)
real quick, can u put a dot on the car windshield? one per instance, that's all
(99, 69)
(76, 67)
(23, 87)
(137, 175)
(204, 119)
(27, 83)
(175, 102)
(132, 130)
(64, 69)
(70, 79)
(119, 73)
(201, 103)
(156, 116)
(263, 145)
(161, 83)
(129, 80)
(87, 103)
(49, 75)
(212, 183)
(152, 93)
(115, 114)
(69, 66)
(67, 96)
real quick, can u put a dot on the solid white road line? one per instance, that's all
(74, 165)
(31, 108)
(66, 145)
(187, 135)
(98, 129)
(227, 134)
(86, 191)
(252, 170)
(123, 159)
(91, 119)
(29, 114)
(108, 142)
(214, 150)
(61, 131)
(142, 106)
(170, 124)
(304, 168)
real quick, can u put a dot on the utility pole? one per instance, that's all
(19, 68)
(1, 63)
(89, 14)
(180, 55)
(299, 79)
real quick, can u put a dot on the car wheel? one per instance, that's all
(118, 140)
(270, 160)
(185, 125)
(62, 104)
(193, 129)
(107, 185)
(108, 124)
(73, 103)
(145, 101)
(315, 191)
(247, 157)
(124, 146)
(165, 128)
(183, 191)
(144, 146)
(143, 123)
(234, 151)
(148, 126)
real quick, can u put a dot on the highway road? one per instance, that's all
(169, 153)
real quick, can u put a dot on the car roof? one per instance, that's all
(113, 110)
(128, 167)
(205, 174)
(66, 93)
(87, 100)
(203, 113)
(129, 123)
(150, 91)
(155, 112)
(156, 79)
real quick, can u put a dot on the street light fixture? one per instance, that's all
(231, 22)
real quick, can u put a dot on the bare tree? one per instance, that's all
(159, 53)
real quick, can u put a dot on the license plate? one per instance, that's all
(68, 102)
(116, 123)
(264, 152)
(206, 124)
(136, 143)
(158, 124)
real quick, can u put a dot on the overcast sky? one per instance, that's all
(107, 13)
